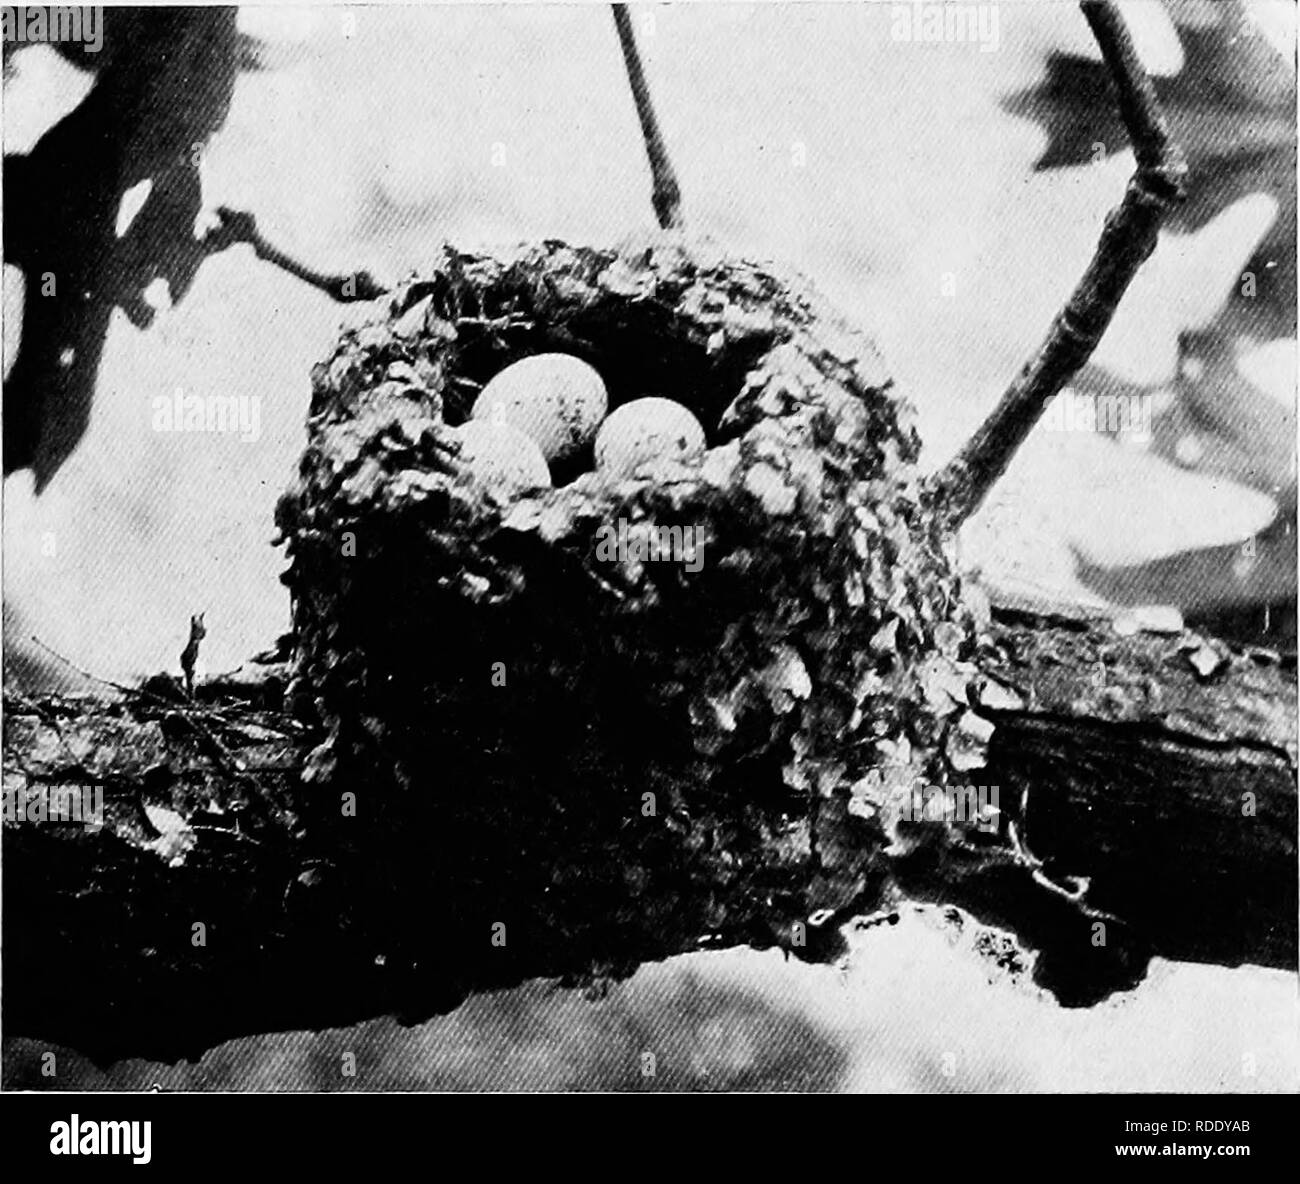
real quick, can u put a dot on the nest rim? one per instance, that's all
(741, 345)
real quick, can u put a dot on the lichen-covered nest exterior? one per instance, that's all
(496, 684)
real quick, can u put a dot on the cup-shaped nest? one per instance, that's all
(688, 663)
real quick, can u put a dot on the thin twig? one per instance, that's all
(71, 665)
(239, 226)
(1127, 240)
(228, 762)
(666, 195)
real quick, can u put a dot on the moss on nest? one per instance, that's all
(756, 699)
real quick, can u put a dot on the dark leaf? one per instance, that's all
(1231, 108)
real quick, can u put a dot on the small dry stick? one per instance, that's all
(239, 226)
(666, 195)
(190, 654)
(1127, 240)
(229, 763)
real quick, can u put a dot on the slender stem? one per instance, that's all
(1127, 240)
(238, 226)
(666, 194)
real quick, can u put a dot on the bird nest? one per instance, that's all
(500, 681)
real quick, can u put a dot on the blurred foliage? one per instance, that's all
(163, 84)
(1231, 107)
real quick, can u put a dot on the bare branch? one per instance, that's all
(667, 195)
(1127, 240)
(239, 226)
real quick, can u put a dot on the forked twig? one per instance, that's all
(666, 194)
(1127, 240)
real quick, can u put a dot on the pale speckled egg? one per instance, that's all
(556, 399)
(645, 430)
(502, 457)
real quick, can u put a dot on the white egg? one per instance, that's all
(645, 430)
(502, 457)
(556, 399)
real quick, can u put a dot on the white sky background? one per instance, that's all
(911, 173)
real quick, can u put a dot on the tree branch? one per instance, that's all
(1119, 802)
(239, 226)
(667, 195)
(1127, 240)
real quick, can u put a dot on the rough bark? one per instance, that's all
(1133, 779)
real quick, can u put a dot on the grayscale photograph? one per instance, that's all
(672, 548)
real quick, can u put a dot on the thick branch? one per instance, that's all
(1143, 794)
(1127, 240)
(667, 196)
